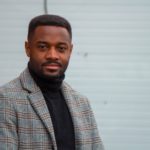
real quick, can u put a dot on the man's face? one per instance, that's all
(49, 50)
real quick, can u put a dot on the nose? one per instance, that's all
(52, 54)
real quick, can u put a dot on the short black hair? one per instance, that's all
(51, 20)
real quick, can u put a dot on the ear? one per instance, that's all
(71, 47)
(27, 48)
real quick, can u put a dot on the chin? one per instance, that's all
(51, 75)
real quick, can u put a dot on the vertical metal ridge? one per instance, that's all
(45, 7)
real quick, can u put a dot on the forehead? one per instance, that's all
(51, 33)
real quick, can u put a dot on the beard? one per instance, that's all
(47, 75)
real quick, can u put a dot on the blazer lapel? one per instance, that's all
(74, 111)
(38, 103)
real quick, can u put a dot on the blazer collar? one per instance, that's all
(27, 82)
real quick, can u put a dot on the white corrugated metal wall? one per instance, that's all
(110, 62)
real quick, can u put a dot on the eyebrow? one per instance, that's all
(43, 42)
(59, 43)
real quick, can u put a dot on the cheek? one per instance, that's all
(68, 57)
(35, 61)
(36, 57)
(66, 60)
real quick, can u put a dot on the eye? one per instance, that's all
(62, 48)
(42, 47)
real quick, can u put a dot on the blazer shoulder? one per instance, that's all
(15, 83)
(12, 88)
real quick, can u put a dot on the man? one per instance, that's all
(38, 110)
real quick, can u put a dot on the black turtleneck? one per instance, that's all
(61, 118)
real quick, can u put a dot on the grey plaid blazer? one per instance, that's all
(25, 122)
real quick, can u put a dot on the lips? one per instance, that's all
(52, 66)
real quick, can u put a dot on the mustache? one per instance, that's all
(51, 62)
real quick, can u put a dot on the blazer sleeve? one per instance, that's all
(8, 124)
(97, 143)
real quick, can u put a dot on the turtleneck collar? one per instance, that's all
(52, 84)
